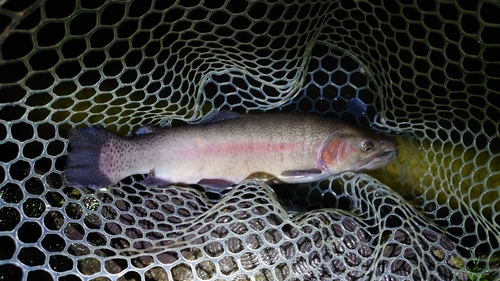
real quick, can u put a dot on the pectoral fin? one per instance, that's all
(300, 176)
(301, 173)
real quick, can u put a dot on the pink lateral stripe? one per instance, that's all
(239, 148)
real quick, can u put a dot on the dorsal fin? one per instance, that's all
(146, 130)
(219, 116)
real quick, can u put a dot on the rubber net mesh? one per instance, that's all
(426, 72)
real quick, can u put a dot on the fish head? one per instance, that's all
(355, 150)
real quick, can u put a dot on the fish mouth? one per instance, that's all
(376, 161)
(388, 154)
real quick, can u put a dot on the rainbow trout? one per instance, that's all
(279, 147)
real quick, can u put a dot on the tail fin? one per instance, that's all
(82, 166)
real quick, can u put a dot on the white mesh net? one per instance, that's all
(425, 71)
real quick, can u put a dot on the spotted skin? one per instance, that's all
(285, 147)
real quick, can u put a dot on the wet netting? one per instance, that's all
(425, 72)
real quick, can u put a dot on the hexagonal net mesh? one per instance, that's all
(424, 71)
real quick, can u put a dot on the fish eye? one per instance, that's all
(367, 146)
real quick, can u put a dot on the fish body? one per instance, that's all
(280, 147)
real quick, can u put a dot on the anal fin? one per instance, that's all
(152, 180)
